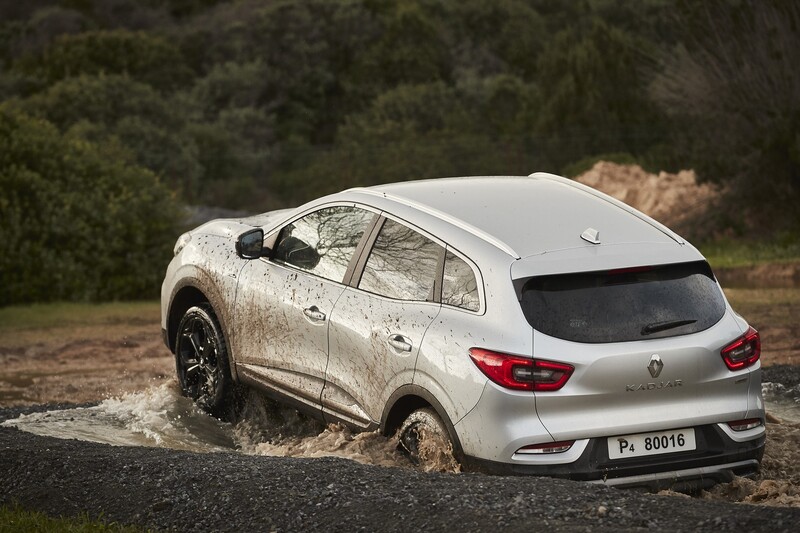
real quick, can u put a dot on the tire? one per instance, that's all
(424, 438)
(201, 360)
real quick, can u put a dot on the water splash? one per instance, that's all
(158, 416)
(269, 428)
(161, 417)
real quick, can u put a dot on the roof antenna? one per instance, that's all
(591, 235)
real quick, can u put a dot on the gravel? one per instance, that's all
(786, 375)
(167, 489)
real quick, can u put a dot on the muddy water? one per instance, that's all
(782, 402)
(161, 417)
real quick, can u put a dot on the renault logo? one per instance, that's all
(655, 365)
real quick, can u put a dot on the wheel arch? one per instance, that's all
(184, 297)
(408, 399)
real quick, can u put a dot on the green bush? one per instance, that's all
(145, 57)
(117, 107)
(78, 221)
(738, 100)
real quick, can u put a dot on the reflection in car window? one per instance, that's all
(458, 286)
(401, 265)
(620, 305)
(324, 241)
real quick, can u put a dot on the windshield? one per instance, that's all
(624, 305)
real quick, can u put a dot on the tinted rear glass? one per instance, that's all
(624, 305)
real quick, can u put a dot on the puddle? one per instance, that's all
(158, 417)
(783, 402)
(161, 417)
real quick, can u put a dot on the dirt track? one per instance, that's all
(164, 488)
(168, 489)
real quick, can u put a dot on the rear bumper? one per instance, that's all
(717, 459)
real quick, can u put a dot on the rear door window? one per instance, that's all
(624, 305)
(402, 264)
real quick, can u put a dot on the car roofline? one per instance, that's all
(613, 201)
(491, 239)
(500, 244)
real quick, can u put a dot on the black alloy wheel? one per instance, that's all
(202, 360)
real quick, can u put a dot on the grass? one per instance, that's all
(42, 316)
(729, 253)
(767, 307)
(14, 518)
(773, 312)
(26, 325)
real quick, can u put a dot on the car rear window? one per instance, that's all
(624, 305)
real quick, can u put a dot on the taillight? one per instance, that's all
(744, 425)
(742, 352)
(520, 373)
(547, 447)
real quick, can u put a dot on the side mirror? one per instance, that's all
(250, 244)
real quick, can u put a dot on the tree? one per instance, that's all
(78, 221)
(116, 107)
(594, 94)
(499, 37)
(424, 131)
(736, 87)
(148, 58)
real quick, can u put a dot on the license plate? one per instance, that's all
(676, 440)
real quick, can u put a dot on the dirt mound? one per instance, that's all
(673, 199)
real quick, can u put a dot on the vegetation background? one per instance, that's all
(115, 114)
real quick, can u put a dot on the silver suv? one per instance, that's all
(535, 325)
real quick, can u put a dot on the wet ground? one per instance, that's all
(279, 471)
(160, 417)
(185, 491)
(122, 374)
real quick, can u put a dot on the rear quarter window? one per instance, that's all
(459, 287)
(624, 305)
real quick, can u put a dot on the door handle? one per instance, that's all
(399, 342)
(313, 313)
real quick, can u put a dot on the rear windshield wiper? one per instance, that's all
(663, 326)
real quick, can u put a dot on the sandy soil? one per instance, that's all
(91, 364)
(82, 365)
(673, 199)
